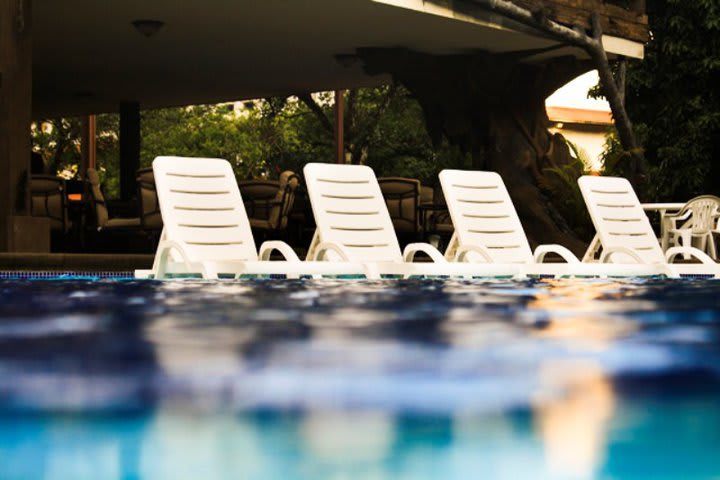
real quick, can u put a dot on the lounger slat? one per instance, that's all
(189, 201)
(216, 235)
(344, 189)
(371, 221)
(619, 219)
(481, 196)
(487, 212)
(632, 226)
(500, 239)
(198, 184)
(211, 218)
(360, 207)
(483, 214)
(486, 224)
(615, 214)
(351, 212)
(378, 237)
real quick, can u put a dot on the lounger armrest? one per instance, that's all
(462, 251)
(324, 247)
(607, 254)
(432, 252)
(285, 250)
(694, 252)
(207, 269)
(542, 250)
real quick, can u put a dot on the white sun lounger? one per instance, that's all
(353, 224)
(487, 228)
(207, 232)
(626, 234)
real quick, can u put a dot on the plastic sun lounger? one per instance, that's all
(488, 229)
(353, 224)
(206, 228)
(626, 234)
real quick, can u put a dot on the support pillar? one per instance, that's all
(88, 144)
(18, 231)
(129, 148)
(339, 126)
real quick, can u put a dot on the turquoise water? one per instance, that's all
(356, 379)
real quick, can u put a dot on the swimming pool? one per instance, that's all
(324, 379)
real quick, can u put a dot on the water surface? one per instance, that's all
(357, 379)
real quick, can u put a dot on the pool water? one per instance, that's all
(345, 379)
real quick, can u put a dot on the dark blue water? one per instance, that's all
(355, 379)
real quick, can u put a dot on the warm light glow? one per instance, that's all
(573, 427)
(348, 436)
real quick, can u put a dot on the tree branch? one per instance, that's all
(307, 99)
(592, 44)
(359, 139)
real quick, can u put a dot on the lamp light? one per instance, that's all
(147, 28)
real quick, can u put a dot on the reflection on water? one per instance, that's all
(573, 426)
(358, 379)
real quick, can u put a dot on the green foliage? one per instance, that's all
(384, 128)
(561, 183)
(57, 140)
(246, 140)
(674, 100)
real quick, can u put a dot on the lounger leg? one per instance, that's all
(686, 240)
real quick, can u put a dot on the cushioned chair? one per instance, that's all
(150, 217)
(353, 224)
(441, 222)
(487, 228)
(269, 203)
(626, 234)
(47, 199)
(206, 228)
(102, 219)
(402, 196)
(257, 196)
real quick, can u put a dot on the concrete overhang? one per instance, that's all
(87, 56)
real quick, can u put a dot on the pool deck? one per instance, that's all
(80, 262)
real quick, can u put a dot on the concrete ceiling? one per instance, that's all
(88, 57)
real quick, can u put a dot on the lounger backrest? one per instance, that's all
(619, 218)
(350, 211)
(202, 209)
(484, 215)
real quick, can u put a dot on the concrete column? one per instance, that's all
(129, 148)
(18, 232)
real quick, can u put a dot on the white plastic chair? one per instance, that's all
(353, 224)
(207, 231)
(487, 228)
(625, 232)
(695, 224)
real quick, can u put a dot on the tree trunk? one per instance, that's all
(492, 106)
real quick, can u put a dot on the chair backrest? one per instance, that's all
(402, 196)
(150, 217)
(202, 208)
(47, 199)
(483, 214)
(427, 194)
(284, 199)
(704, 211)
(350, 211)
(619, 218)
(98, 199)
(258, 195)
